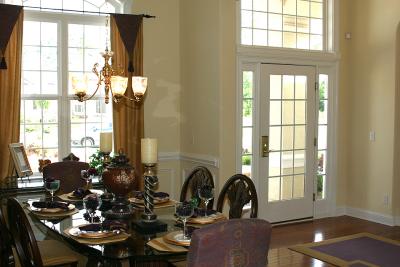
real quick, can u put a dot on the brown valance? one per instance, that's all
(128, 27)
(8, 17)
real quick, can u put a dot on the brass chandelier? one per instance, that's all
(112, 79)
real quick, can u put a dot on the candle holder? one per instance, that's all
(150, 182)
(106, 158)
(149, 223)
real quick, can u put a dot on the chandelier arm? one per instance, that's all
(90, 97)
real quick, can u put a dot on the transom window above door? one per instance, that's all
(296, 24)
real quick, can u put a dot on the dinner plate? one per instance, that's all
(176, 238)
(52, 210)
(76, 232)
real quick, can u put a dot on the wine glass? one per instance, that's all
(86, 176)
(91, 202)
(52, 185)
(206, 193)
(183, 210)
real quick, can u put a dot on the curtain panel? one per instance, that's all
(128, 116)
(10, 98)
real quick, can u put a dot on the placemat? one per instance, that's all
(98, 241)
(47, 215)
(160, 245)
(169, 203)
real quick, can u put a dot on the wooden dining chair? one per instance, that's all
(30, 252)
(6, 242)
(69, 174)
(236, 242)
(239, 190)
(197, 178)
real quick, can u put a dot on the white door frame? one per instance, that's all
(325, 64)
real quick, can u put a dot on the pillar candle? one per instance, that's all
(106, 142)
(149, 150)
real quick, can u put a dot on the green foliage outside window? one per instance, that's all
(321, 96)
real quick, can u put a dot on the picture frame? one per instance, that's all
(20, 159)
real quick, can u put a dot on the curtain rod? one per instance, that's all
(83, 12)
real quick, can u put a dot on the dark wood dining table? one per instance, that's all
(134, 249)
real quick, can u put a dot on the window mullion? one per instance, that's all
(64, 110)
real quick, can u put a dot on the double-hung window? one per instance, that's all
(58, 44)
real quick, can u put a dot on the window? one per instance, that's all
(247, 121)
(297, 24)
(55, 47)
(322, 136)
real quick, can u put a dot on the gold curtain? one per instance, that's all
(128, 116)
(10, 98)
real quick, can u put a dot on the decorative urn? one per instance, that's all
(119, 178)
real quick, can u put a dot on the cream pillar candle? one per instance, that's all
(106, 142)
(149, 150)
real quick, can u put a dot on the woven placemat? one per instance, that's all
(48, 215)
(98, 241)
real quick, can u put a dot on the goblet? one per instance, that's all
(206, 193)
(183, 210)
(85, 175)
(52, 185)
(91, 202)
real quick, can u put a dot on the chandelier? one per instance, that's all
(112, 80)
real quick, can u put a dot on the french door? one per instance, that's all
(287, 122)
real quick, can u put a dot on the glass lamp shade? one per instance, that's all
(139, 85)
(118, 85)
(79, 84)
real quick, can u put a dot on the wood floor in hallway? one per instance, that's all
(318, 230)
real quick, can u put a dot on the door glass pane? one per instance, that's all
(300, 137)
(288, 87)
(287, 137)
(300, 112)
(273, 189)
(275, 138)
(275, 113)
(287, 112)
(287, 163)
(275, 86)
(298, 186)
(286, 187)
(299, 162)
(274, 163)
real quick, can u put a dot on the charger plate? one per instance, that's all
(174, 238)
(207, 220)
(95, 238)
(160, 245)
(52, 210)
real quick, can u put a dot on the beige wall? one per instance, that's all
(367, 91)
(162, 103)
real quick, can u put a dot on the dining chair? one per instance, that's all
(239, 190)
(30, 252)
(69, 174)
(236, 242)
(197, 178)
(6, 242)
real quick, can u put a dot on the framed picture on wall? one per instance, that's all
(20, 159)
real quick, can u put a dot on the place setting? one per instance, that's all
(189, 217)
(161, 200)
(79, 193)
(49, 209)
(97, 231)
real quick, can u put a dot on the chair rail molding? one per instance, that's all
(206, 160)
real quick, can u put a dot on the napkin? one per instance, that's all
(108, 225)
(81, 192)
(50, 205)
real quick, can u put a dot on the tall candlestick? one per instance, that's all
(106, 142)
(149, 150)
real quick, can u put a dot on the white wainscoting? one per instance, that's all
(367, 215)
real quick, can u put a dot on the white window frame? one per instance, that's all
(326, 62)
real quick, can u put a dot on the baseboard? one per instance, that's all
(367, 215)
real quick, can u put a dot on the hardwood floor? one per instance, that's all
(318, 230)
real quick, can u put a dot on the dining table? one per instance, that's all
(134, 249)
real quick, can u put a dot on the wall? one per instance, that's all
(367, 91)
(162, 103)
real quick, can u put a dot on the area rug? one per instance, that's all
(357, 250)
